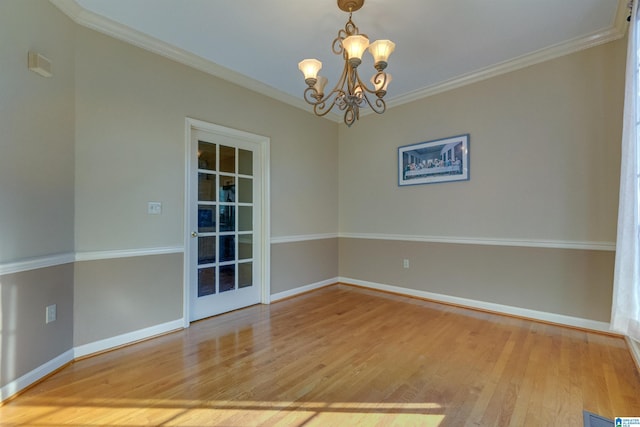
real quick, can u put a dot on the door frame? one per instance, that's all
(263, 143)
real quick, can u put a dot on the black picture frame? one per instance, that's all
(436, 161)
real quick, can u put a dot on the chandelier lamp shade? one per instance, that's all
(350, 93)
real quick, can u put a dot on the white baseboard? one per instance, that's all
(31, 377)
(26, 380)
(128, 338)
(70, 355)
(303, 289)
(489, 306)
(634, 347)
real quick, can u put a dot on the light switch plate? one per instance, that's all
(154, 208)
(51, 313)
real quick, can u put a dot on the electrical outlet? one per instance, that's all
(405, 263)
(154, 208)
(50, 315)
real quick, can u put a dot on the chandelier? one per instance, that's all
(350, 93)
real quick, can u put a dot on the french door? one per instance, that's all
(225, 250)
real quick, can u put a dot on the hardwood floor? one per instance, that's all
(343, 356)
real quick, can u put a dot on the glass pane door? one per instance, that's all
(225, 270)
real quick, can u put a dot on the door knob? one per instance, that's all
(194, 234)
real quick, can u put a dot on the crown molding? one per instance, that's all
(118, 31)
(620, 22)
(136, 38)
(615, 32)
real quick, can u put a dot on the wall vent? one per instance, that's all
(39, 64)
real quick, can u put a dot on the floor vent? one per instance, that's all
(593, 420)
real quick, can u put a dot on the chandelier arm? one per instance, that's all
(379, 106)
(311, 95)
(337, 95)
(352, 78)
(351, 115)
(379, 79)
(320, 106)
(344, 78)
(361, 83)
(320, 109)
(336, 46)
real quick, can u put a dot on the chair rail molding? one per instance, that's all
(46, 261)
(488, 241)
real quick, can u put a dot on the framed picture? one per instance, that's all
(441, 160)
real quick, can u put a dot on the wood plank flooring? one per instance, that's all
(343, 356)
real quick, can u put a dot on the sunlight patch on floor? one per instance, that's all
(198, 413)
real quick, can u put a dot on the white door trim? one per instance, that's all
(264, 147)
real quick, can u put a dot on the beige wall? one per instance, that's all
(130, 149)
(130, 111)
(27, 341)
(36, 143)
(36, 185)
(568, 282)
(545, 154)
(117, 296)
(544, 160)
(303, 263)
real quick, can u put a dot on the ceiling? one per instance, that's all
(440, 44)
